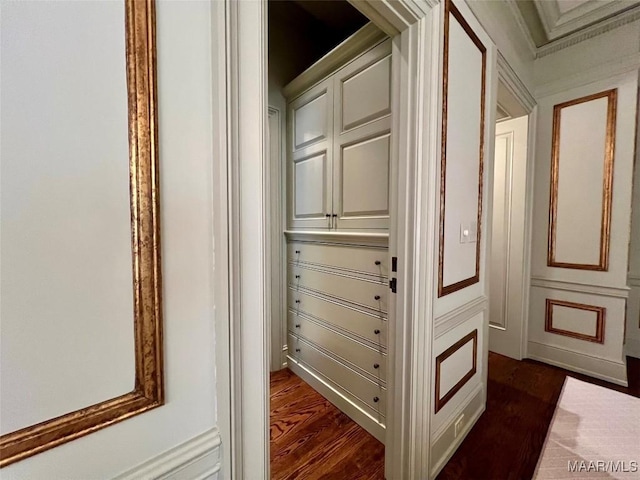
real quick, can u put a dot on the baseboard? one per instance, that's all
(445, 442)
(338, 399)
(607, 370)
(632, 347)
(196, 459)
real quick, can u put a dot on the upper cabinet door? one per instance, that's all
(362, 141)
(309, 132)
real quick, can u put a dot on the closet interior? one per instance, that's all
(335, 163)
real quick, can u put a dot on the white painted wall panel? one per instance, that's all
(583, 131)
(66, 280)
(455, 367)
(574, 320)
(187, 192)
(463, 146)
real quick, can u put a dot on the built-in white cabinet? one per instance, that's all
(339, 147)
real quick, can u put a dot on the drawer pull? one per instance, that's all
(376, 331)
(376, 399)
(298, 276)
(297, 252)
(297, 325)
(377, 297)
(297, 349)
(376, 366)
(377, 262)
(297, 301)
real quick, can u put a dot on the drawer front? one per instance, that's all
(352, 382)
(370, 294)
(355, 321)
(369, 260)
(370, 360)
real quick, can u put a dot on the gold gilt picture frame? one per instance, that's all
(607, 185)
(450, 10)
(148, 391)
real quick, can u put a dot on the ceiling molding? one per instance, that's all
(604, 26)
(514, 85)
(522, 25)
(558, 23)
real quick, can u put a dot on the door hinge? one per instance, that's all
(394, 264)
(393, 284)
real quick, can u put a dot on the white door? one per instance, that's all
(507, 242)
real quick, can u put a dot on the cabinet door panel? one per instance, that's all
(309, 157)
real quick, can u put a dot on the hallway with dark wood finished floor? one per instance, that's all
(312, 439)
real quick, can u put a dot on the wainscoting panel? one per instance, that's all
(575, 320)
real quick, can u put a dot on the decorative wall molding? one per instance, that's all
(600, 312)
(442, 400)
(599, 28)
(634, 280)
(458, 316)
(452, 11)
(364, 39)
(195, 459)
(148, 390)
(598, 367)
(522, 26)
(512, 82)
(605, 220)
(586, 288)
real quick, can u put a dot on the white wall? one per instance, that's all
(185, 146)
(66, 236)
(607, 61)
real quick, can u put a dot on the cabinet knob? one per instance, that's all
(327, 215)
(297, 349)
(377, 262)
(376, 331)
(297, 252)
(297, 276)
(297, 325)
(376, 366)
(376, 399)
(297, 301)
(377, 297)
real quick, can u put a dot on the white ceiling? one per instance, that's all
(549, 20)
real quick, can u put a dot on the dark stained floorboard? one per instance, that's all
(311, 439)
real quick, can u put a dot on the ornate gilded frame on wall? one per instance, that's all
(605, 222)
(450, 8)
(442, 401)
(598, 337)
(148, 391)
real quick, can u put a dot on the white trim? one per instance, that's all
(514, 85)
(394, 16)
(352, 238)
(361, 41)
(458, 316)
(633, 280)
(195, 459)
(614, 372)
(605, 291)
(632, 347)
(522, 26)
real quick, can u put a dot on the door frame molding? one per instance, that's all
(516, 87)
(239, 45)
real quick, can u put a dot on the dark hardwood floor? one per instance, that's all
(312, 439)
(507, 440)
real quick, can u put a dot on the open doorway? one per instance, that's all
(511, 234)
(329, 127)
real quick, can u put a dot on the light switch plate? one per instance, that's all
(465, 232)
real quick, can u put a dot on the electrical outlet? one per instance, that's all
(458, 425)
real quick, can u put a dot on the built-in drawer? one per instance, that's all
(370, 394)
(369, 326)
(368, 260)
(370, 360)
(369, 293)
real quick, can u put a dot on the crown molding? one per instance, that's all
(512, 82)
(522, 25)
(599, 28)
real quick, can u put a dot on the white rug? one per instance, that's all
(594, 434)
